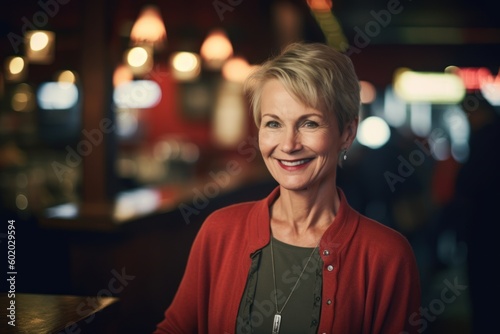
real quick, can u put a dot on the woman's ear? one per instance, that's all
(349, 134)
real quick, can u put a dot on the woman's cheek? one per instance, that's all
(266, 140)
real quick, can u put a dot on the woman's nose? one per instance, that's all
(291, 141)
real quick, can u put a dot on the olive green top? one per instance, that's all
(258, 307)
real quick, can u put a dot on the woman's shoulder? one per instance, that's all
(232, 211)
(381, 237)
(232, 217)
(369, 232)
(229, 224)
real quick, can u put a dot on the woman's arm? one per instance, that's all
(400, 295)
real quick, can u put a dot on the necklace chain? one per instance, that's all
(278, 312)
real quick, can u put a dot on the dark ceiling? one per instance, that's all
(423, 34)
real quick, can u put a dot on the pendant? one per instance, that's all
(276, 323)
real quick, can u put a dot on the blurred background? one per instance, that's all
(123, 125)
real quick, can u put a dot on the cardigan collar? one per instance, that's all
(338, 234)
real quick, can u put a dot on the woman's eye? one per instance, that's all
(272, 124)
(310, 124)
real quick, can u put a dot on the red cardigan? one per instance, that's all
(370, 277)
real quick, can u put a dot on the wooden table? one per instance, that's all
(59, 314)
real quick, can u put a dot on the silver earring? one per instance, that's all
(345, 155)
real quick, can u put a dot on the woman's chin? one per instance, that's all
(294, 186)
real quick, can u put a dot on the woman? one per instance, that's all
(301, 260)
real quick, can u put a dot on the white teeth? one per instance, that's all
(294, 163)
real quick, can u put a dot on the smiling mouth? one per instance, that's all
(294, 163)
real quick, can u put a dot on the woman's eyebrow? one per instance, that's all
(270, 115)
(300, 118)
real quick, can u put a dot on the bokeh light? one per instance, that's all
(57, 95)
(431, 87)
(23, 98)
(139, 94)
(236, 69)
(137, 56)
(121, 75)
(186, 65)
(16, 65)
(16, 68)
(39, 41)
(216, 49)
(40, 46)
(66, 76)
(368, 92)
(149, 26)
(373, 132)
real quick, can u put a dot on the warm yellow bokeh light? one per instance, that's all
(216, 49)
(428, 87)
(186, 66)
(16, 65)
(22, 202)
(185, 62)
(39, 41)
(236, 69)
(15, 69)
(20, 98)
(229, 121)
(23, 98)
(40, 46)
(122, 75)
(66, 76)
(149, 26)
(19, 101)
(137, 56)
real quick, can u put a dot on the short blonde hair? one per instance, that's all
(317, 75)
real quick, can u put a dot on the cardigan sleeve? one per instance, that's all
(399, 294)
(218, 263)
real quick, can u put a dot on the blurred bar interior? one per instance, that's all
(123, 125)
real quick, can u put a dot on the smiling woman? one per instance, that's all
(300, 145)
(301, 260)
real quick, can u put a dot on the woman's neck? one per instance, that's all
(301, 217)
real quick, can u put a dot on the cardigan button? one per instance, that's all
(326, 252)
(329, 268)
(329, 302)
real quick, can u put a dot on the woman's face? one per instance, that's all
(300, 145)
